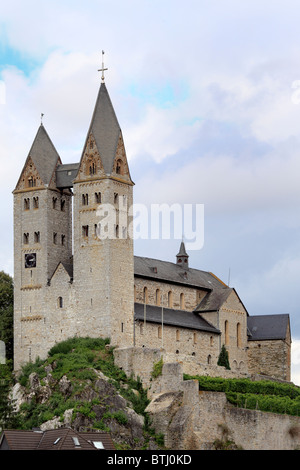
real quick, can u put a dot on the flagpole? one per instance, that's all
(162, 322)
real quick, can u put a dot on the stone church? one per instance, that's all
(72, 277)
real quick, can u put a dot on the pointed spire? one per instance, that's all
(106, 133)
(42, 158)
(182, 256)
(105, 129)
(44, 154)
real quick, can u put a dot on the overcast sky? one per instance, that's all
(207, 94)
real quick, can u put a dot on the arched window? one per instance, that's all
(182, 306)
(159, 332)
(238, 335)
(31, 182)
(177, 335)
(170, 299)
(85, 199)
(157, 297)
(60, 302)
(209, 359)
(211, 341)
(195, 338)
(98, 198)
(120, 167)
(226, 333)
(92, 168)
(145, 295)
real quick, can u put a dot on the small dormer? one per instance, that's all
(182, 257)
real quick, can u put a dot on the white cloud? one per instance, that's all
(237, 62)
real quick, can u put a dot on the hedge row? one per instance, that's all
(270, 403)
(264, 395)
(262, 387)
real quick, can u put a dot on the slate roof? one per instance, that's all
(268, 327)
(54, 439)
(105, 129)
(65, 174)
(44, 155)
(180, 318)
(182, 250)
(214, 300)
(170, 272)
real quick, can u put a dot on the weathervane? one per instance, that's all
(103, 69)
(42, 118)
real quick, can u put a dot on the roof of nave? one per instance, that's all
(170, 272)
(65, 174)
(268, 327)
(172, 317)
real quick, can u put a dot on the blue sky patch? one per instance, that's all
(10, 57)
(163, 95)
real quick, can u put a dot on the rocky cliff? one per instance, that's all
(70, 389)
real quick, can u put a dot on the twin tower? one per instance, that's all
(73, 251)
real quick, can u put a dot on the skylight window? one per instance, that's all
(98, 444)
(76, 441)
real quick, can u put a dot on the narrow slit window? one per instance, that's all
(85, 230)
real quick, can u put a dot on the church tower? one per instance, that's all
(103, 244)
(42, 239)
(73, 246)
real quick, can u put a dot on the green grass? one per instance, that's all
(78, 359)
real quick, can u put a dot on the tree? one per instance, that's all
(6, 312)
(9, 418)
(223, 358)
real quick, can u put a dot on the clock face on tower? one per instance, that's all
(30, 260)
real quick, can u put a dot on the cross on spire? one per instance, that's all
(103, 69)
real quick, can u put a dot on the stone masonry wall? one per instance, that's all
(269, 358)
(194, 420)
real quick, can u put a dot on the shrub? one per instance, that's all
(223, 358)
(157, 368)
